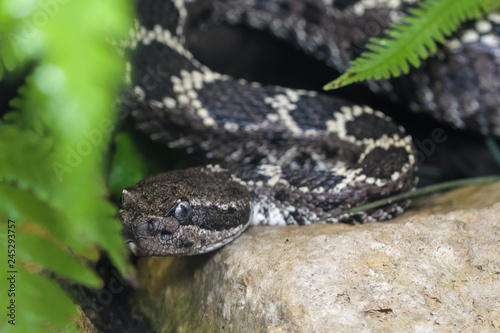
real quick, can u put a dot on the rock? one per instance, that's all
(427, 271)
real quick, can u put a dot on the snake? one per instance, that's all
(272, 155)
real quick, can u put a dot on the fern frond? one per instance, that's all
(411, 42)
(52, 171)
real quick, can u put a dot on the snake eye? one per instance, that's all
(182, 211)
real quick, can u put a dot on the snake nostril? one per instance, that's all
(165, 234)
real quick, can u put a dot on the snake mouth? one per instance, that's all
(150, 234)
(132, 246)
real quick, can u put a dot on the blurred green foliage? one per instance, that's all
(126, 170)
(54, 145)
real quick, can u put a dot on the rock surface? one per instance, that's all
(435, 270)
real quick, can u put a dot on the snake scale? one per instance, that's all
(275, 155)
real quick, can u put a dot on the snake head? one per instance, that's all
(184, 212)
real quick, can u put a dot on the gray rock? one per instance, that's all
(427, 271)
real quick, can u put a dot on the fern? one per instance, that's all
(52, 181)
(411, 42)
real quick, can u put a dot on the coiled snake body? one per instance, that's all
(277, 156)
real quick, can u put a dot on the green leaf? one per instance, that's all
(38, 250)
(129, 165)
(410, 42)
(41, 305)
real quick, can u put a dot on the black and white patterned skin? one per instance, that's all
(293, 156)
